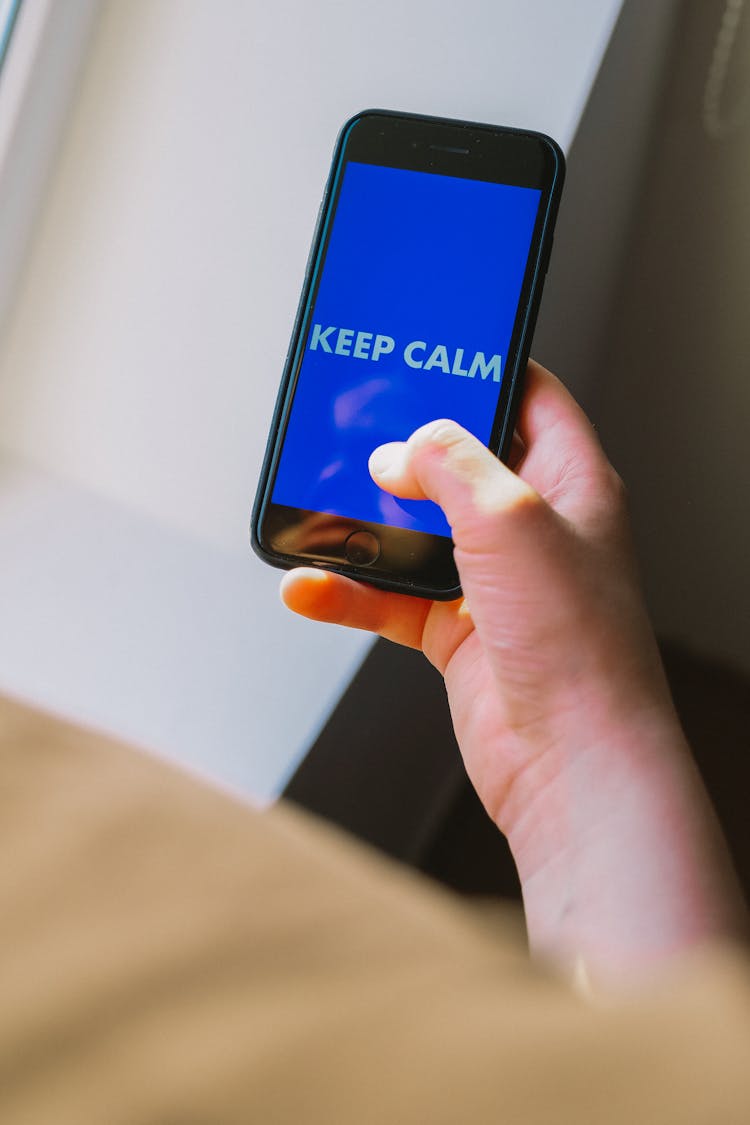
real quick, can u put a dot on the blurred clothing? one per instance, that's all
(169, 955)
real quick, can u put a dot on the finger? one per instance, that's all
(552, 431)
(564, 460)
(323, 596)
(443, 462)
(553, 427)
(390, 467)
(437, 628)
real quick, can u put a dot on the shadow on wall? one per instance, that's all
(673, 401)
(606, 167)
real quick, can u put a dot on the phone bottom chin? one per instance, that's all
(390, 558)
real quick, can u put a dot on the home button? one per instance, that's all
(362, 548)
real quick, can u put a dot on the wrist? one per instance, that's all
(621, 861)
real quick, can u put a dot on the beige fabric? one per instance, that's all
(169, 956)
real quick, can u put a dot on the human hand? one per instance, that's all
(557, 693)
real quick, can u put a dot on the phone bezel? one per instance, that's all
(444, 147)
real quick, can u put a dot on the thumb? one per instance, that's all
(443, 462)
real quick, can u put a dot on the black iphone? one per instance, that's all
(419, 302)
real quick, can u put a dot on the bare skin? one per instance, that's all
(556, 688)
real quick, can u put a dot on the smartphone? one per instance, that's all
(419, 302)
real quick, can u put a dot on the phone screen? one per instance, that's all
(419, 301)
(412, 320)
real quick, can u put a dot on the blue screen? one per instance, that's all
(412, 321)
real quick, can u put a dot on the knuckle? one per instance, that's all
(526, 505)
(441, 432)
(499, 501)
(500, 519)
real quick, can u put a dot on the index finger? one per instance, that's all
(437, 628)
(558, 437)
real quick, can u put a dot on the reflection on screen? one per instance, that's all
(412, 321)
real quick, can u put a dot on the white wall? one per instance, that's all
(141, 361)
(144, 353)
(43, 51)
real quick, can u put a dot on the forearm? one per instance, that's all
(621, 861)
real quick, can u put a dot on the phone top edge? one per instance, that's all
(457, 122)
(554, 157)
